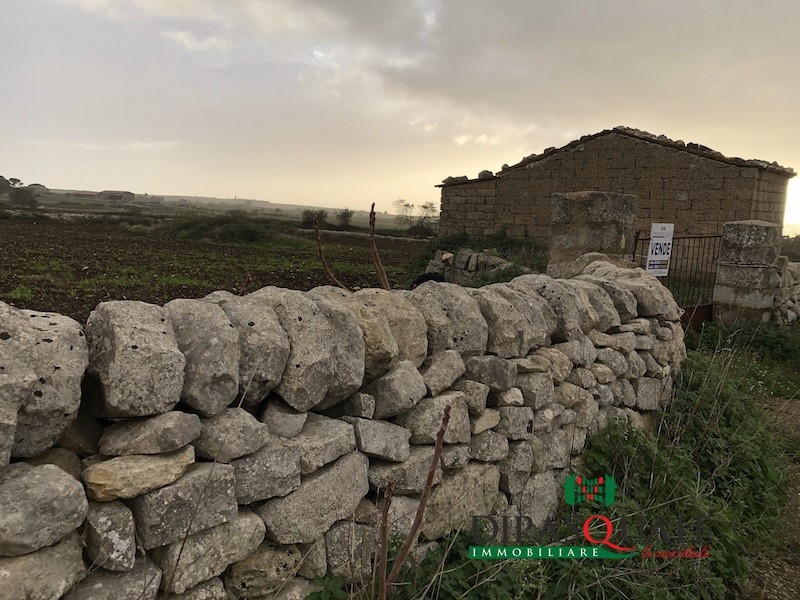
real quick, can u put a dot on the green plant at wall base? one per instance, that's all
(21, 293)
(712, 453)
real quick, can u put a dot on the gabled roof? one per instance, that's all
(661, 140)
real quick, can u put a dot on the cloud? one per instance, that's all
(194, 44)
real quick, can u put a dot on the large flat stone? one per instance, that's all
(330, 494)
(202, 498)
(153, 435)
(110, 536)
(46, 574)
(425, 419)
(322, 441)
(467, 492)
(207, 554)
(397, 391)
(381, 439)
(140, 582)
(231, 434)
(272, 471)
(409, 476)
(129, 476)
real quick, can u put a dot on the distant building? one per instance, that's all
(114, 195)
(689, 185)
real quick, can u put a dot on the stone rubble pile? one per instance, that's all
(463, 266)
(237, 447)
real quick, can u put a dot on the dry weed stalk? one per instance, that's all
(324, 262)
(373, 250)
(384, 583)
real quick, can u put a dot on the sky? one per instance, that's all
(341, 103)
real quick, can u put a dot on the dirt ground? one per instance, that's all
(70, 267)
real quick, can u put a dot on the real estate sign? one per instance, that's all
(660, 249)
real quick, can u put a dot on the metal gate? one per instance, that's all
(692, 271)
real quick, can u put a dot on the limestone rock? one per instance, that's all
(397, 391)
(441, 370)
(583, 378)
(263, 572)
(560, 298)
(568, 394)
(51, 348)
(110, 536)
(141, 582)
(309, 369)
(351, 548)
(314, 562)
(281, 419)
(348, 353)
(129, 476)
(488, 420)
(41, 505)
(467, 492)
(602, 373)
(454, 456)
(263, 345)
(515, 469)
(210, 343)
(475, 394)
(440, 330)
(497, 373)
(231, 434)
(539, 499)
(541, 319)
(409, 477)
(650, 392)
(406, 322)
(425, 419)
(126, 338)
(16, 385)
(614, 360)
(358, 405)
(580, 350)
(510, 333)
(272, 471)
(208, 553)
(202, 498)
(603, 305)
(488, 446)
(380, 347)
(560, 364)
(516, 422)
(468, 327)
(46, 574)
(537, 389)
(510, 397)
(381, 439)
(322, 441)
(153, 435)
(532, 364)
(328, 495)
(65, 460)
(211, 589)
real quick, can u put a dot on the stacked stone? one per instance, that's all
(786, 309)
(466, 265)
(240, 446)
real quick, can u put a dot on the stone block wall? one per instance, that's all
(238, 447)
(754, 282)
(697, 193)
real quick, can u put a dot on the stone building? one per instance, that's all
(690, 185)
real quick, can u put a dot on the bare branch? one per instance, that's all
(324, 262)
(373, 250)
(423, 502)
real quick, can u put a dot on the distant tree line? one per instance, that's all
(18, 195)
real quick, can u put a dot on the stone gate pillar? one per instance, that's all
(583, 222)
(748, 276)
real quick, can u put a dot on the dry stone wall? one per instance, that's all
(240, 445)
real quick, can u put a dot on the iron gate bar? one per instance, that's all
(693, 266)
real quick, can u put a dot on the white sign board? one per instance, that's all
(660, 249)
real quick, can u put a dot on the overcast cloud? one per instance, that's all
(344, 102)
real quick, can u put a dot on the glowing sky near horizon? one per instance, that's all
(345, 102)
